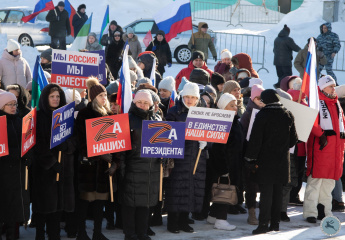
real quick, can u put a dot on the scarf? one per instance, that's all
(326, 120)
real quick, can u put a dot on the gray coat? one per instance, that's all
(134, 45)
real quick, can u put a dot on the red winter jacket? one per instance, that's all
(186, 72)
(327, 163)
(245, 61)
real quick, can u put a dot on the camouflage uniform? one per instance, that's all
(329, 43)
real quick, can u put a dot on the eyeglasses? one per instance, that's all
(258, 98)
(11, 104)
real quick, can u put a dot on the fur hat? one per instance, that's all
(167, 83)
(147, 86)
(225, 54)
(297, 83)
(69, 96)
(81, 6)
(129, 30)
(47, 54)
(217, 79)
(230, 85)
(224, 100)
(269, 96)
(254, 81)
(200, 76)
(94, 87)
(325, 82)
(6, 97)
(198, 54)
(12, 45)
(256, 91)
(144, 95)
(191, 89)
(113, 87)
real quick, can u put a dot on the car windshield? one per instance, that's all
(15, 16)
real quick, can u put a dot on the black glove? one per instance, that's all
(193, 46)
(28, 162)
(57, 167)
(251, 165)
(323, 141)
(111, 170)
(329, 133)
(106, 157)
(215, 58)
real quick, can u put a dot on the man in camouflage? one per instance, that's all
(328, 43)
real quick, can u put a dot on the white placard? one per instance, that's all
(252, 118)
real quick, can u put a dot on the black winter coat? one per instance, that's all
(108, 38)
(162, 51)
(228, 158)
(113, 57)
(59, 23)
(22, 101)
(47, 67)
(140, 175)
(283, 47)
(14, 200)
(272, 136)
(91, 174)
(49, 195)
(78, 22)
(184, 192)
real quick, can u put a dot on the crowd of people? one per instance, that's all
(271, 162)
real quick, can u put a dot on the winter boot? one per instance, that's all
(320, 211)
(156, 219)
(172, 225)
(311, 219)
(262, 228)
(223, 225)
(252, 220)
(274, 227)
(337, 206)
(284, 217)
(183, 223)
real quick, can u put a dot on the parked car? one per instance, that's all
(27, 34)
(178, 45)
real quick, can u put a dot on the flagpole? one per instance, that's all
(192, 23)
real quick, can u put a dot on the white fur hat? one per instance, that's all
(191, 89)
(225, 54)
(325, 82)
(254, 81)
(297, 84)
(243, 74)
(69, 96)
(12, 45)
(167, 83)
(224, 100)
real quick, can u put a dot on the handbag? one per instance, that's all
(224, 193)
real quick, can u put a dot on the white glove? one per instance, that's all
(202, 144)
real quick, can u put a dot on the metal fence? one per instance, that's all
(259, 14)
(212, 11)
(253, 45)
(339, 59)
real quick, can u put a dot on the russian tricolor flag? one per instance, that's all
(41, 6)
(71, 12)
(309, 83)
(174, 18)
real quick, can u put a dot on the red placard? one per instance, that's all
(29, 131)
(108, 135)
(3, 137)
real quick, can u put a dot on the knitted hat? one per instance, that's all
(6, 97)
(209, 89)
(256, 91)
(198, 54)
(230, 85)
(325, 81)
(155, 97)
(133, 76)
(224, 100)
(183, 82)
(286, 28)
(190, 89)
(143, 80)
(81, 6)
(113, 87)
(69, 96)
(47, 54)
(217, 79)
(167, 83)
(269, 96)
(12, 45)
(160, 32)
(61, 4)
(143, 95)
(225, 54)
(131, 62)
(204, 25)
(200, 76)
(29, 86)
(283, 94)
(130, 30)
(94, 87)
(254, 81)
(113, 22)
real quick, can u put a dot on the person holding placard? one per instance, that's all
(14, 201)
(184, 192)
(250, 186)
(51, 197)
(267, 155)
(140, 175)
(226, 160)
(93, 173)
